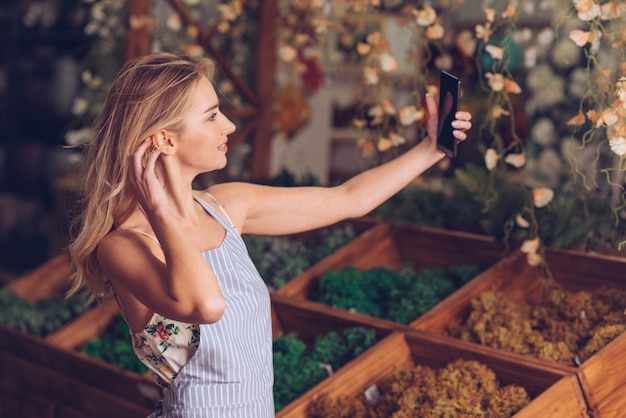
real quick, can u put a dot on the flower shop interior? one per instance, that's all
(492, 285)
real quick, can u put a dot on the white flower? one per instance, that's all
(370, 75)
(521, 221)
(491, 159)
(388, 62)
(618, 145)
(516, 160)
(410, 114)
(542, 196)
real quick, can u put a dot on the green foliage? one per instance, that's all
(114, 346)
(280, 259)
(41, 318)
(487, 203)
(400, 296)
(297, 369)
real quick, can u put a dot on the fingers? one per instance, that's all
(461, 124)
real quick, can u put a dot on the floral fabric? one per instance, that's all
(165, 346)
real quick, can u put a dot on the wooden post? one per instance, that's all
(140, 25)
(264, 85)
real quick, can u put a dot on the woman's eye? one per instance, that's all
(213, 116)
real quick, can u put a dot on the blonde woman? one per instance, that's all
(173, 257)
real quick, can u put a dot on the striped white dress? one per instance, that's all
(231, 373)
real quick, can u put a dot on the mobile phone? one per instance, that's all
(449, 90)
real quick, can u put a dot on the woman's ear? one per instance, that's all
(164, 141)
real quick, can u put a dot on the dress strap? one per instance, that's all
(221, 208)
(140, 232)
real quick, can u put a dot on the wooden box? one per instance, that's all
(138, 391)
(603, 376)
(393, 246)
(554, 393)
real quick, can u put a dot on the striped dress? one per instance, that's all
(230, 375)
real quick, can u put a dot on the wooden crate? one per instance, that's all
(555, 394)
(393, 246)
(603, 376)
(39, 379)
(52, 277)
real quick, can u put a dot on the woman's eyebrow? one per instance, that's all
(215, 106)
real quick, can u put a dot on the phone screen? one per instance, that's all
(449, 88)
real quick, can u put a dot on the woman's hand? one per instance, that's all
(461, 124)
(143, 176)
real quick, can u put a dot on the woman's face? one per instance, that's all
(203, 142)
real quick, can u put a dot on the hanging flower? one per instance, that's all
(534, 259)
(495, 81)
(587, 9)
(521, 221)
(388, 107)
(498, 111)
(483, 32)
(174, 23)
(510, 86)
(542, 196)
(425, 17)
(370, 75)
(397, 139)
(618, 145)
(287, 53)
(363, 48)
(466, 43)
(495, 52)
(516, 160)
(388, 62)
(359, 123)
(410, 114)
(383, 144)
(580, 38)
(577, 120)
(491, 159)
(530, 246)
(367, 147)
(435, 31)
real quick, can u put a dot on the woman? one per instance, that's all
(173, 257)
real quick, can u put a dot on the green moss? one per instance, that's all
(298, 368)
(399, 296)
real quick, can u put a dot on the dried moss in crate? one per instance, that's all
(43, 317)
(399, 296)
(297, 369)
(280, 259)
(114, 346)
(460, 389)
(563, 327)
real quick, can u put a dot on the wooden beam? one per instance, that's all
(264, 86)
(140, 25)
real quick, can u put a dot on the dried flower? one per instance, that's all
(425, 17)
(410, 114)
(370, 75)
(491, 159)
(618, 145)
(521, 221)
(516, 160)
(495, 52)
(388, 62)
(587, 9)
(542, 196)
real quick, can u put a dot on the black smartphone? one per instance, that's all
(449, 90)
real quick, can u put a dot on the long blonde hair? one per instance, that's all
(148, 94)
